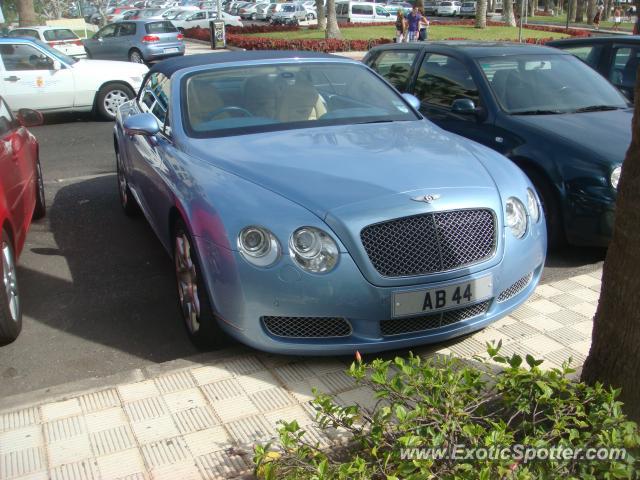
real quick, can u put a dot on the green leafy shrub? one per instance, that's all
(509, 411)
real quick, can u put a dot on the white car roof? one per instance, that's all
(41, 28)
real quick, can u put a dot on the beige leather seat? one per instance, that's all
(300, 102)
(202, 101)
(262, 96)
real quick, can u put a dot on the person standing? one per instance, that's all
(400, 26)
(617, 18)
(413, 22)
(596, 19)
(423, 27)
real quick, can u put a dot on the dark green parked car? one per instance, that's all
(556, 118)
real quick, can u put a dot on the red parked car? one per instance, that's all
(21, 199)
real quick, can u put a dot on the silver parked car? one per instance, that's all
(139, 41)
(468, 9)
(290, 14)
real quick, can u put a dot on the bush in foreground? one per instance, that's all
(446, 404)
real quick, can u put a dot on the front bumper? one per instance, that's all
(589, 216)
(244, 295)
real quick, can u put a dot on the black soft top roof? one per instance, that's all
(169, 67)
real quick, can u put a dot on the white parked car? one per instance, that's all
(62, 39)
(249, 11)
(202, 18)
(362, 12)
(448, 8)
(36, 76)
(261, 11)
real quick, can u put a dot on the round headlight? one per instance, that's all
(313, 250)
(532, 204)
(258, 246)
(615, 176)
(516, 217)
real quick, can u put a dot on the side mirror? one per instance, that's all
(464, 106)
(412, 100)
(143, 124)
(29, 118)
(57, 65)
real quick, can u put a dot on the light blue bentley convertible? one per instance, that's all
(310, 209)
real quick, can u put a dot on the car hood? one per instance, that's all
(605, 134)
(355, 166)
(111, 68)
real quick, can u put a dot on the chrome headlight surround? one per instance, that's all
(516, 217)
(533, 206)
(258, 246)
(614, 178)
(313, 250)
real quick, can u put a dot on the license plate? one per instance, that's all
(170, 50)
(448, 297)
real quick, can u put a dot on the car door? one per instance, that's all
(30, 78)
(442, 79)
(124, 40)
(16, 171)
(148, 156)
(100, 46)
(623, 68)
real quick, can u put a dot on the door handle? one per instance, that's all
(12, 78)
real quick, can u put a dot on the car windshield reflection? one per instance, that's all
(233, 101)
(546, 85)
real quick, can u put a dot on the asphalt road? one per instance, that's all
(97, 288)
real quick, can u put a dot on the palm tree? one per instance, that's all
(481, 14)
(333, 31)
(322, 18)
(614, 358)
(26, 13)
(507, 13)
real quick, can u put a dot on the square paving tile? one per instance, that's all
(121, 464)
(65, 428)
(70, 450)
(57, 410)
(19, 418)
(234, 408)
(560, 356)
(184, 400)
(194, 419)
(289, 414)
(22, 462)
(222, 390)
(185, 470)
(145, 409)
(23, 438)
(519, 330)
(206, 441)
(568, 317)
(567, 335)
(243, 365)
(210, 374)
(95, 401)
(105, 419)
(175, 382)
(271, 399)
(82, 470)
(249, 430)
(155, 429)
(112, 440)
(254, 382)
(543, 323)
(165, 452)
(541, 344)
(544, 306)
(132, 392)
(220, 466)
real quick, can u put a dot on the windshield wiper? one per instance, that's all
(375, 121)
(538, 112)
(596, 108)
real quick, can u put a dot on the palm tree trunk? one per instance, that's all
(322, 18)
(26, 13)
(614, 358)
(507, 13)
(591, 11)
(333, 31)
(573, 6)
(481, 14)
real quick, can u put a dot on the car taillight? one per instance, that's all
(150, 38)
(180, 36)
(78, 42)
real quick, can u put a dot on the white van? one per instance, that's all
(362, 12)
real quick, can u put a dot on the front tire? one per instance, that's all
(10, 306)
(551, 209)
(41, 205)
(127, 201)
(110, 97)
(193, 299)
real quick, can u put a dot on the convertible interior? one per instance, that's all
(286, 96)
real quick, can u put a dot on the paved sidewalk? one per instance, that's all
(200, 419)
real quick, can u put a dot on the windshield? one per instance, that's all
(288, 8)
(62, 34)
(472, 5)
(242, 100)
(445, 4)
(540, 84)
(56, 53)
(183, 15)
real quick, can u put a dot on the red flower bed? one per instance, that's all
(325, 45)
(237, 36)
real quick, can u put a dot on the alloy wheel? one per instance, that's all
(187, 283)
(113, 100)
(122, 181)
(10, 280)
